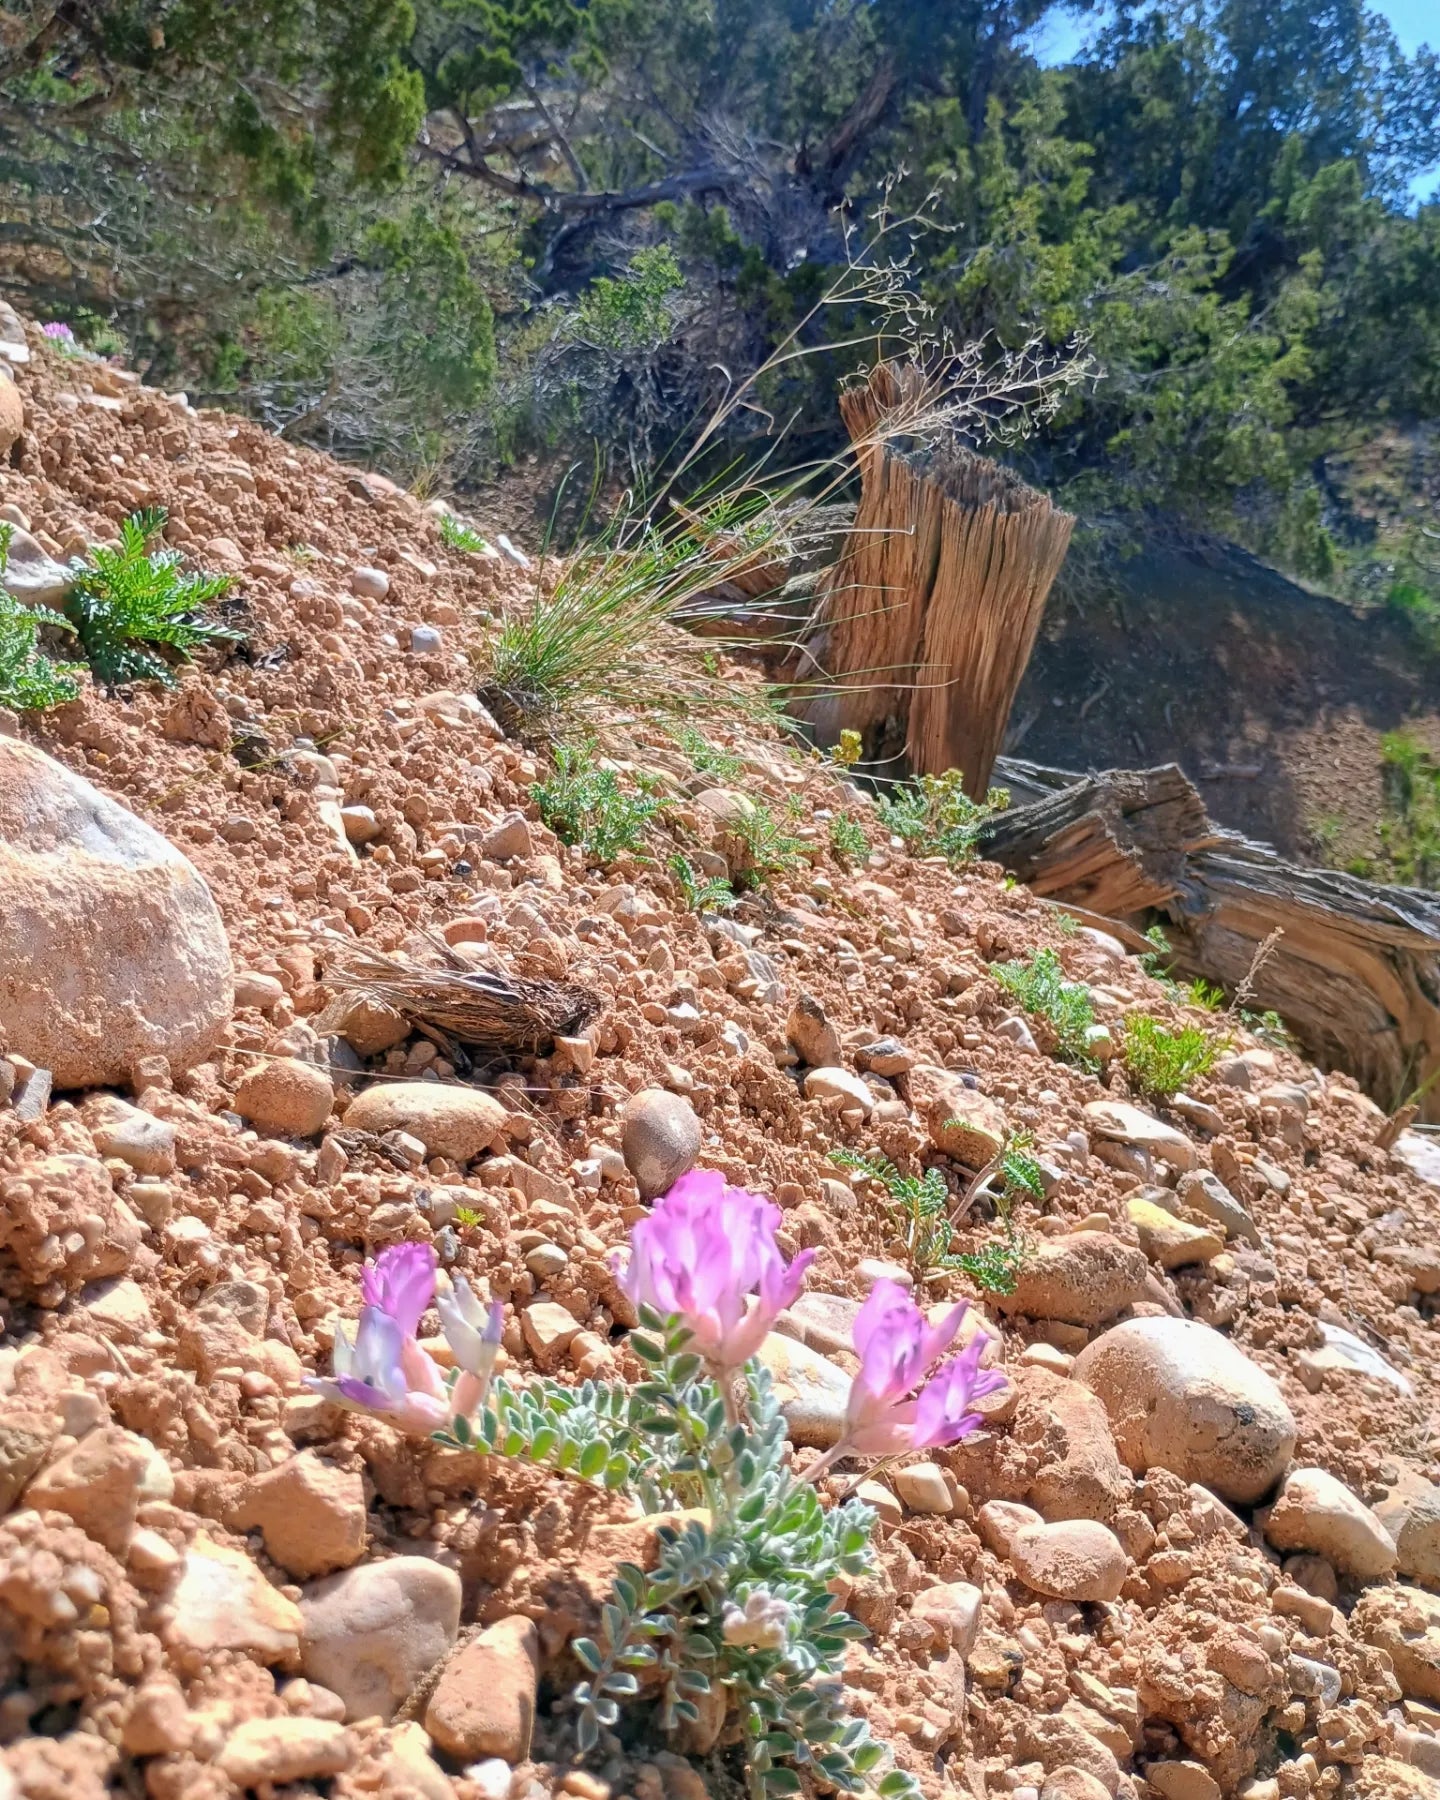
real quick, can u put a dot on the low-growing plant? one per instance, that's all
(770, 847)
(1156, 961)
(586, 805)
(29, 680)
(702, 893)
(457, 535)
(934, 816)
(1208, 995)
(1021, 1176)
(1162, 1062)
(707, 758)
(123, 601)
(848, 839)
(1041, 987)
(995, 1266)
(740, 1597)
(920, 1205)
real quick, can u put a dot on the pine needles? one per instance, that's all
(124, 600)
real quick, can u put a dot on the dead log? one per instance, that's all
(1354, 973)
(928, 619)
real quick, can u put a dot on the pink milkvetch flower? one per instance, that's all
(385, 1371)
(897, 1346)
(703, 1251)
(472, 1330)
(401, 1282)
(57, 328)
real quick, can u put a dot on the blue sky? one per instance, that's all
(1414, 23)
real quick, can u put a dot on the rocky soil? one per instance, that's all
(1196, 1550)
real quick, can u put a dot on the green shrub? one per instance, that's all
(934, 816)
(1041, 988)
(1161, 1063)
(995, 1266)
(587, 806)
(124, 599)
(1020, 1174)
(848, 839)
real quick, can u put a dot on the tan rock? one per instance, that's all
(952, 1610)
(111, 948)
(311, 1514)
(1070, 1783)
(962, 1122)
(549, 1329)
(65, 1225)
(223, 1602)
(1079, 1474)
(812, 1392)
(1169, 1241)
(12, 414)
(812, 1037)
(1315, 1512)
(1410, 1512)
(281, 1750)
(455, 1122)
(1074, 1559)
(101, 1484)
(484, 1702)
(27, 1430)
(1083, 1278)
(1183, 1780)
(409, 1764)
(659, 1139)
(1182, 1397)
(1122, 1124)
(842, 1085)
(285, 1096)
(371, 1633)
(923, 1488)
(1405, 1623)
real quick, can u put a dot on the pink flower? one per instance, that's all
(385, 1371)
(703, 1251)
(401, 1282)
(59, 330)
(897, 1346)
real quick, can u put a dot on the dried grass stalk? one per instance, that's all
(482, 1007)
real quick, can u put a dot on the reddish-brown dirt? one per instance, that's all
(1221, 1665)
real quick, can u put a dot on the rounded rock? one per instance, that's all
(285, 1097)
(12, 414)
(1083, 1278)
(455, 1122)
(484, 1702)
(369, 584)
(1181, 1397)
(371, 1633)
(811, 1035)
(111, 947)
(1074, 1559)
(1317, 1513)
(659, 1139)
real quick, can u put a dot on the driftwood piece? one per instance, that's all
(931, 612)
(1355, 972)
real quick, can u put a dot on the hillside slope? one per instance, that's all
(174, 1503)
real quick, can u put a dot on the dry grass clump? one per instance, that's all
(483, 1007)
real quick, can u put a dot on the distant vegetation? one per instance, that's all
(470, 232)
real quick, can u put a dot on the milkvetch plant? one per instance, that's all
(740, 1596)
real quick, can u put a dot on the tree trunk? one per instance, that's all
(929, 617)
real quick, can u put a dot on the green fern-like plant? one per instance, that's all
(702, 893)
(125, 601)
(1041, 988)
(934, 816)
(29, 680)
(586, 805)
(848, 839)
(770, 849)
(457, 535)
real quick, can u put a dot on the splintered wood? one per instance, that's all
(1351, 967)
(933, 608)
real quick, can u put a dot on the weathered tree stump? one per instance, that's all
(1354, 973)
(928, 619)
